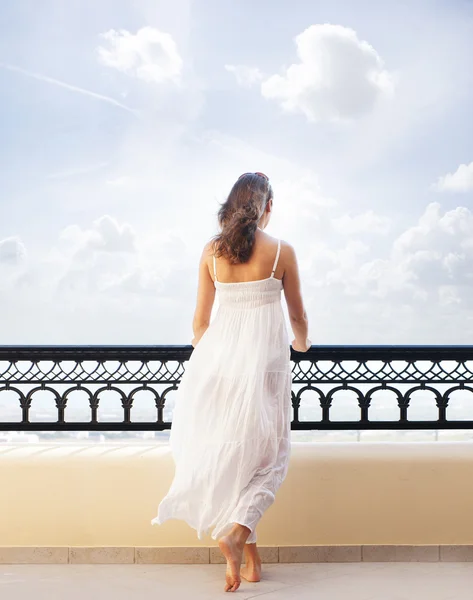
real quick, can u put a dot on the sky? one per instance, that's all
(124, 125)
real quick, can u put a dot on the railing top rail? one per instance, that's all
(183, 351)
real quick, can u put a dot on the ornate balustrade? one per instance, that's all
(371, 375)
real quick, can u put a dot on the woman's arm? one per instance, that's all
(205, 296)
(295, 304)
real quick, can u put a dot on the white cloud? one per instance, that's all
(445, 233)
(420, 292)
(460, 181)
(12, 251)
(245, 76)
(448, 295)
(437, 251)
(368, 222)
(106, 235)
(337, 77)
(150, 54)
(86, 291)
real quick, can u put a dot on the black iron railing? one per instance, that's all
(367, 372)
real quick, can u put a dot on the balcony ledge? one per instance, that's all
(374, 494)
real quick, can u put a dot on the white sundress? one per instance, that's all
(230, 433)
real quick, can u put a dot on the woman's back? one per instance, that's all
(258, 267)
(263, 259)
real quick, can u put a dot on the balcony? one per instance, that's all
(366, 510)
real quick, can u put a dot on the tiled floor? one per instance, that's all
(327, 581)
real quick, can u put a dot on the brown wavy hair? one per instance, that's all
(238, 217)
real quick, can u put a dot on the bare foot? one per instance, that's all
(252, 570)
(232, 546)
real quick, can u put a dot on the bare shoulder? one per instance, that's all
(286, 257)
(286, 246)
(206, 257)
(208, 249)
(288, 253)
(274, 240)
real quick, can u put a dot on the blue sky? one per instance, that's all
(123, 124)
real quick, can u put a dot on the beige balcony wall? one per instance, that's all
(335, 493)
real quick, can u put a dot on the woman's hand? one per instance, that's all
(195, 341)
(298, 347)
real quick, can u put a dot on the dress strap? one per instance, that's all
(215, 269)
(276, 260)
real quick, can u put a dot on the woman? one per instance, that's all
(230, 434)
